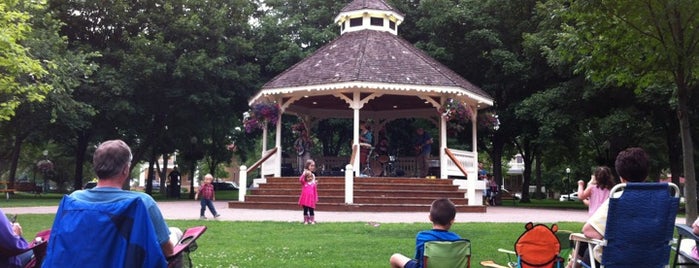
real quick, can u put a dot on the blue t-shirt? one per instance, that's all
(431, 235)
(422, 142)
(110, 194)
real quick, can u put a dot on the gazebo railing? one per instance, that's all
(465, 159)
(243, 178)
(456, 162)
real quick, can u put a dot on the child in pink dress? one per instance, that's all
(309, 192)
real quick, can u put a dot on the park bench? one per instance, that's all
(4, 189)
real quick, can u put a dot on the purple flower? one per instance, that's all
(261, 114)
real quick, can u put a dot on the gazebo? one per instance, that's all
(370, 72)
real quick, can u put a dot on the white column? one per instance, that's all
(355, 128)
(349, 184)
(443, 158)
(473, 199)
(278, 145)
(264, 138)
(242, 183)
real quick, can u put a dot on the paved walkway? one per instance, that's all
(189, 210)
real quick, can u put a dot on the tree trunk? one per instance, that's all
(16, 148)
(690, 183)
(80, 149)
(496, 157)
(537, 162)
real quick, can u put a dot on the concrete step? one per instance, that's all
(371, 194)
(357, 200)
(350, 207)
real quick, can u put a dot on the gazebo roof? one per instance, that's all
(369, 4)
(391, 72)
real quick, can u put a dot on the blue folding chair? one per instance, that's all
(640, 224)
(111, 234)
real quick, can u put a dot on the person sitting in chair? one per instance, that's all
(631, 166)
(442, 214)
(12, 242)
(112, 164)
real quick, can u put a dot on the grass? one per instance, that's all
(290, 244)
(357, 244)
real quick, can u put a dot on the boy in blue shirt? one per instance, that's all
(442, 214)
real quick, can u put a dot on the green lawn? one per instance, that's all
(283, 244)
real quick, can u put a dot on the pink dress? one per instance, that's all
(309, 192)
(597, 197)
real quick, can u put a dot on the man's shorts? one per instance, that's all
(410, 264)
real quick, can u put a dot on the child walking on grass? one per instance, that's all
(309, 192)
(208, 195)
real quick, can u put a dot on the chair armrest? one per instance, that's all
(506, 251)
(190, 235)
(686, 231)
(582, 238)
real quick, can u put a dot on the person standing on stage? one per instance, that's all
(423, 148)
(302, 145)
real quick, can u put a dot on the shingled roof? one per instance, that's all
(371, 56)
(371, 60)
(369, 4)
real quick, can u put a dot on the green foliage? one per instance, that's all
(642, 46)
(20, 73)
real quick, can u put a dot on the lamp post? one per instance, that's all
(568, 180)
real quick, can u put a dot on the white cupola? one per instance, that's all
(369, 15)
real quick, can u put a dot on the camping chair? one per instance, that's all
(447, 254)
(639, 228)
(684, 231)
(538, 247)
(114, 234)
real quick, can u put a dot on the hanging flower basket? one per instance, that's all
(456, 111)
(489, 121)
(261, 114)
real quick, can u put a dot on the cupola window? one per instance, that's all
(355, 22)
(376, 21)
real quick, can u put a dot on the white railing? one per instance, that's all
(272, 164)
(272, 154)
(467, 160)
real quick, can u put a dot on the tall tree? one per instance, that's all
(39, 121)
(483, 41)
(20, 72)
(643, 45)
(165, 66)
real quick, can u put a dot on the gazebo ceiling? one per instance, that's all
(326, 106)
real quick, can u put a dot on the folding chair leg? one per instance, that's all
(576, 259)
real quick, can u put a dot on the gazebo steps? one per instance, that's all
(322, 186)
(361, 192)
(371, 194)
(357, 199)
(351, 207)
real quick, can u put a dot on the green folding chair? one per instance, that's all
(447, 254)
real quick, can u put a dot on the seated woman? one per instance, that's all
(12, 243)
